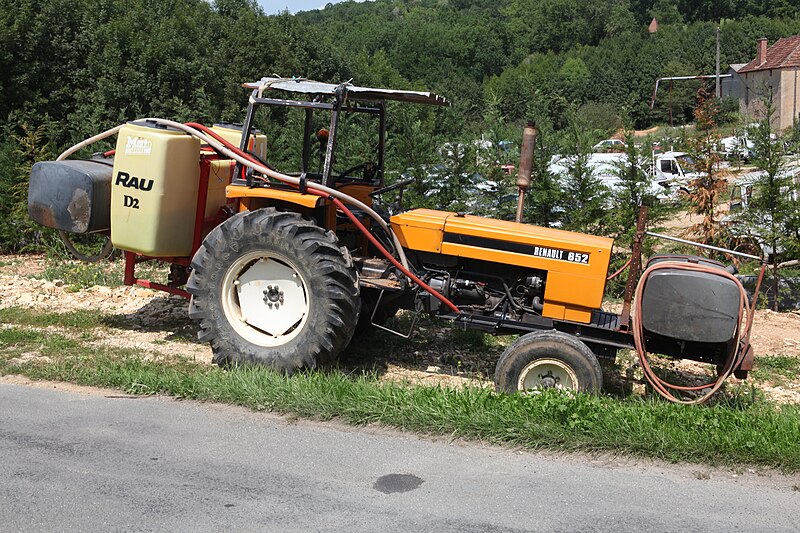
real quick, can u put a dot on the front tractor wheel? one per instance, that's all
(273, 288)
(545, 360)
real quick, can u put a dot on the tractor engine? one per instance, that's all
(506, 269)
(507, 293)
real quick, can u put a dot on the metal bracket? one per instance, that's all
(384, 328)
(634, 270)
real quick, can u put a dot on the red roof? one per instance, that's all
(784, 53)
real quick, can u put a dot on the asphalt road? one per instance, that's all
(78, 461)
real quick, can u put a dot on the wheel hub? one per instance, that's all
(547, 374)
(548, 380)
(271, 296)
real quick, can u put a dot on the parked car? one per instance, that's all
(610, 145)
(737, 147)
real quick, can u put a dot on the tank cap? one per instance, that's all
(238, 126)
(149, 123)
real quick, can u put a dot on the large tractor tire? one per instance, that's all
(273, 288)
(548, 359)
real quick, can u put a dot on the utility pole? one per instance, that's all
(717, 88)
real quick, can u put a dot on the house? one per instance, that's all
(732, 86)
(773, 71)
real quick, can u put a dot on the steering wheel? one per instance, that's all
(368, 168)
(393, 187)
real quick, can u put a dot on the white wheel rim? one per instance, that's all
(547, 374)
(265, 299)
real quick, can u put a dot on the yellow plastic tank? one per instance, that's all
(222, 170)
(154, 190)
(233, 134)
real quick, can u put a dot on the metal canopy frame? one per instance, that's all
(327, 97)
(346, 90)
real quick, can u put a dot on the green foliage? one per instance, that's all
(772, 217)
(585, 199)
(631, 193)
(735, 427)
(542, 205)
(72, 68)
(17, 155)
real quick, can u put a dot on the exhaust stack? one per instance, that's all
(529, 135)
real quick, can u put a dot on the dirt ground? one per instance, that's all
(158, 324)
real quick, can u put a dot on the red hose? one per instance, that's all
(385, 252)
(621, 270)
(340, 205)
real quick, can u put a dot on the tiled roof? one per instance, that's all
(784, 53)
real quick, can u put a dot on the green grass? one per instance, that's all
(15, 340)
(739, 428)
(78, 275)
(42, 319)
(778, 368)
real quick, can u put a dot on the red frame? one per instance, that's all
(200, 226)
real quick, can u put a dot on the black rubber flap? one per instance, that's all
(73, 196)
(690, 306)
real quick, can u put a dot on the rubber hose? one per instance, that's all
(734, 357)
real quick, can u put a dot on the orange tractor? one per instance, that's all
(283, 267)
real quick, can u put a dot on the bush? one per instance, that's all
(18, 233)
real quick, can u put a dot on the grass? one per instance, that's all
(77, 275)
(741, 426)
(43, 319)
(721, 434)
(778, 368)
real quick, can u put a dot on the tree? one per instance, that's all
(705, 190)
(633, 191)
(542, 203)
(773, 207)
(585, 199)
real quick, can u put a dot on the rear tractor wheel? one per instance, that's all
(273, 288)
(545, 360)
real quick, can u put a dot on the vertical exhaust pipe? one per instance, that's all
(529, 135)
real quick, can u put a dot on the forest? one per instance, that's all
(581, 69)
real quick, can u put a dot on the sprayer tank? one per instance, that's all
(154, 190)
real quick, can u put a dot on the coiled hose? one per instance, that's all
(738, 348)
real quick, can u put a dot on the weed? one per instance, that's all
(30, 317)
(776, 368)
(649, 427)
(739, 424)
(78, 275)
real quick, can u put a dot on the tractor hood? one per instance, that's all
(576, 264)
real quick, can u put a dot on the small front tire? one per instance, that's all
(548, 359)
